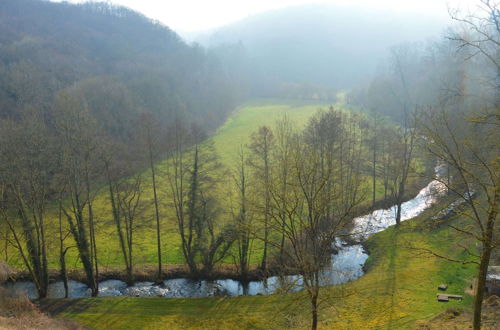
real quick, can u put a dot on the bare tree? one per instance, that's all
(150, 140)
(320, 198)
(374, 144)
(26, 169)
(405, 145)
(469, 149)
(79, 147)
(193, 176)
(261, 145)
(63, 250)
(281, 163)
(243, 216)
(178, 181)
(481, 32)
(213, 239)
(127, 206)
(470, 146)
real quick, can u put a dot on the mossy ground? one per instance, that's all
(398, 289)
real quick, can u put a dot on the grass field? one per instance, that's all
(247, 119)
(228, 139)
(399, 288)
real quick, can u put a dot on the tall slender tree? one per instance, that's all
(150, 136)
(243, 216)
(78, 136)
(27, 168)
(319, 205)
(262, 143)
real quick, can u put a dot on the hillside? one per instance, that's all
(325, 45)
(120, 61)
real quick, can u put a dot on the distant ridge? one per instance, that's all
(320, 44)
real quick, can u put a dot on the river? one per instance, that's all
(345, 266)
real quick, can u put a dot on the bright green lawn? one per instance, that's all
(247, 119)
(398, 289)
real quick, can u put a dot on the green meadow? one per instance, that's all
(248, 118)
(228, 140)
(398, 289)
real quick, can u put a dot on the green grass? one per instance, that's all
(228, 139)
(399, 288)
(247, 119)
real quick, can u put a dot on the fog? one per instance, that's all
(334, 46)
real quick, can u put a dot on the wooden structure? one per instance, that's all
(446, 297)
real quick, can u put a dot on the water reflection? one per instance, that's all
(345, 266)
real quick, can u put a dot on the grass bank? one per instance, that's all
(398, 289)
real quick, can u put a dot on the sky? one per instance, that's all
(196, 15)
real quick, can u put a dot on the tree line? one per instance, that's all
(287, 187)
(453, 86)
(120, 61)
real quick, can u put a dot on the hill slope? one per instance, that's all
(124, 61)
(322, 44)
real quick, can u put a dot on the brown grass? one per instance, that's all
(18, 312)
(38, 321)
(461, 319)
(5, 272)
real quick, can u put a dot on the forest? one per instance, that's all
(151, 182)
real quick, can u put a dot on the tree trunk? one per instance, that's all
(314, 311)
(44, 272)
(267, 207)
(82, 243)
(157, 212)
(374, 182)
(481, 283)
(64, 273)
(398, 213)
(399, 201)
(485, 258)
(93, 252)
(263, 265)
(374, 169)
(118, 222)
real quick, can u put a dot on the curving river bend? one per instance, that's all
(346, 265)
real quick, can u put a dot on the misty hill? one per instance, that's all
(117, 60)
(319, 44)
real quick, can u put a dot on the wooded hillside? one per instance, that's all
(118, 61)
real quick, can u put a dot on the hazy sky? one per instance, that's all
(191, 15)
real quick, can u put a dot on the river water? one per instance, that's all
(345, 266)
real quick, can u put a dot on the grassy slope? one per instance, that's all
(247, 119)
(398, 289)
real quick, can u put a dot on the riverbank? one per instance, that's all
(149, 272)
(397, 290)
